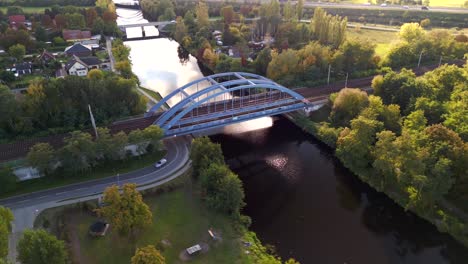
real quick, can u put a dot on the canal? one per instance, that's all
(300, 198)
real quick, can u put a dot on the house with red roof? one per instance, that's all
(76, 35)
(16, 21)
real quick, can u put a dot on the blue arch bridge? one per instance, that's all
(223, 99)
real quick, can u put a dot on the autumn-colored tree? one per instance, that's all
(95, 74)
(180, 30)
(148, 255)
(91, 16)
(227, 12)
(347, 105)
(126, 211)
(202, 14)
(6, 217)
(299, 9)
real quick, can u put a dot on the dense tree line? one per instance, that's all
(415, 42)
(408, 140)
(81, 152)
(158, 10)
(222, 189)
(59, 105)
(48, 2)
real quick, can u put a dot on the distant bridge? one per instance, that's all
(148, 27)
(223, 99)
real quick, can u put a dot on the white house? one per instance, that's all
(81, 66)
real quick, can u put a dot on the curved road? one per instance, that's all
(26, 207)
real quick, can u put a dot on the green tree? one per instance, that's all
(288, 11)
(411, 32)
(223, 189)
(203, 153)
(292, 261)
(456, 117)
(262, 61)
(110, 147)
(124, 68)
(40, 34)
(283, 66)
(9, 108)
(126, 211)
(415, 122)
(354, 145)
(202, 14)
(17, 51)
(299, 9)
(153, 134)
(7, 180)
(347, 105)
(40, 247)
(75, 21)
(79, 152)
(385, 155)
(95, 74)
(42, 157)
(148, 255)
(180, 30)
(6, 217)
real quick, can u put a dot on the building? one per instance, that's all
(23, 68)
(46, 57)
(79, 50)
(81, 66)
(16, 21)
(76, 35)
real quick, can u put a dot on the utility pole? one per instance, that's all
(346, 82)
(440, 61)
(93, 122)
(420, 56)
(329, 70)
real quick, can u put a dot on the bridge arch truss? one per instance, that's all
(222, 99)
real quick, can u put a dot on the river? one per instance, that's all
(300, 198)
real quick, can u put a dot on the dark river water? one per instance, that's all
(306, 204)
(300, 198)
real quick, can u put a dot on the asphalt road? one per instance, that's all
(176, 153)
(389, 7)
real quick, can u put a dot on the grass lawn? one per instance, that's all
(178, 217)
(28, 9)
(98, 172)
(382, 39)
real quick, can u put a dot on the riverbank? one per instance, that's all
(447, 219)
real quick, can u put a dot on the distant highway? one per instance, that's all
(459, 10)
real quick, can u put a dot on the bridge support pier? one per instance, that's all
(143, 33)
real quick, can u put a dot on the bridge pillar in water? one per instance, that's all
(143, 33)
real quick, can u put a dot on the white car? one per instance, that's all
(160, 163)
(383, 5)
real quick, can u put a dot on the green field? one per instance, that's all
(442, 3)
(27, 9)
(179, 217)
(383, 39)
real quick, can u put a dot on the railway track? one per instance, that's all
(19, 149)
